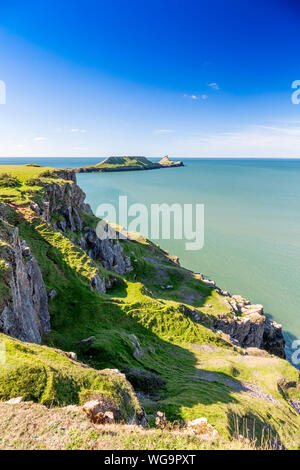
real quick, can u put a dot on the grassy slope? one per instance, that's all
(31, 179)
(173, 346)
(112, 162)
(50, 378)
(32, 426)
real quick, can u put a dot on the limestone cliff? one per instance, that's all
(24, 310)
(63, 206)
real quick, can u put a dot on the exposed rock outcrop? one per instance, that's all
(108, 252)
(25, 314)
(249, 327)
(165, 162)
(66, 201)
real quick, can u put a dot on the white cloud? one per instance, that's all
(251, 141)
(40, 139)
(163, 131)
(79, 148)
(196, 97)
(76, 129)
(214, 86)
(282, 130)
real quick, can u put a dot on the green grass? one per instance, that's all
(47, 376)
(31, 180)
(175, 348)
(111, 162)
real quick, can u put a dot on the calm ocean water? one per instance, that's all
(252, 222)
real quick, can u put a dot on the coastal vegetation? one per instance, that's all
(153, 320)
(129, 164)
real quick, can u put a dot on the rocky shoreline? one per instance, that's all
(249, 326)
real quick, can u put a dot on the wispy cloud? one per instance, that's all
(163, 131)
(79, 148)
(76, 129)
(282, 130)
(40, 139)
(214, 86)
(251, 141)
(196, 97)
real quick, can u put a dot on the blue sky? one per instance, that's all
(140, 77)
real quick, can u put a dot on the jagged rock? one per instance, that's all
(102, 410)
(250, 327)
(137, 347)
(35, 207)
(46, 211)
(69, 218)
(208, 282)
(248, 330)
(52, 294)
(273, 340)
(78, 219)
(68, 200)
(98, 284)
(140, 419)
(71, 355)
(295, 404)
(25, 315)
(62, 225)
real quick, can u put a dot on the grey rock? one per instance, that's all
(295, 404)
(46, 211)
(62, 225)
(25, 315)
(98, 284)
(69, 218)
(52, 294)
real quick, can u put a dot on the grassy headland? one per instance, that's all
(128, 164)
(142, 326)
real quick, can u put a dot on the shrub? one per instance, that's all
(8, 180)
(46, 173)
(34, 182)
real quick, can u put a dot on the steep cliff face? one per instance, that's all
(24, 311)
(65, 203)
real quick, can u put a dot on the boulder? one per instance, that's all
(102, 410)
(15, 401)
(71, 355)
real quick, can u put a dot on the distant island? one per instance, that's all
(128, 164)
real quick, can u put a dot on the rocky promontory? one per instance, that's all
(128, 164)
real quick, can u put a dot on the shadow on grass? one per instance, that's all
(77, 313)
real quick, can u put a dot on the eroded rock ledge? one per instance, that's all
(249, 327)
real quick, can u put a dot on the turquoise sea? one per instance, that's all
(252, 222)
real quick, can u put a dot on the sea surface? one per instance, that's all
(252, 222)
